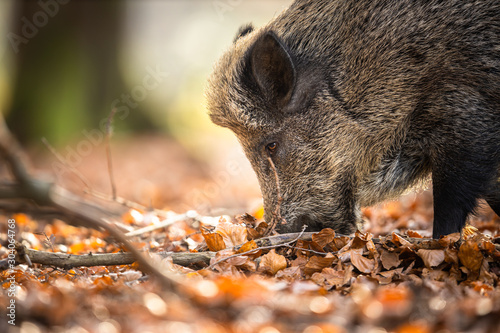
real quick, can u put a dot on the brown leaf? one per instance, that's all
(246, 219)
(390, 259)
(386, 277)
(360, 239)
(316, 263)
(272, 262)
(470, 256)
(330, 277)
(400, 241)
(339, 242)
(290, 273)
(229, 265)
(431, 258)
(257, 232)
(324, 237)
(450, 239)
(363, 264)
(451, 256)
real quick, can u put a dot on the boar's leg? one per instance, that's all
(493, 199)
(455, 196)
(457, 184)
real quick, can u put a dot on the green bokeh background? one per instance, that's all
(86, 54)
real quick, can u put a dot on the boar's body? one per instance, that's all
(357, 101)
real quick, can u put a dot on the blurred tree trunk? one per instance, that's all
(66, 55)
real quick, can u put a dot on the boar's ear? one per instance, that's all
(243, 31)
(272, 69)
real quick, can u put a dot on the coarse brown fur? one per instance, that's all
(357, 101)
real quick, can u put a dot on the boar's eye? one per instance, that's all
(271, 148)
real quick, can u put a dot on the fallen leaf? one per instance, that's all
(248, 246)
(390, 259)
(413, 234)
(272, 262)
(324, 237)
(431, 258)
(330, 277)
(363, 264)
(400, 241)
(470, 256)
(215, 241)
(317, 263)
(232, 234)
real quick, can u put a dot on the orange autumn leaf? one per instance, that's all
(413, 234)
(394, 209)
(470, 255)
(248, 246)
(272, 262)
(214, 241)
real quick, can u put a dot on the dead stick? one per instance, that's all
(68, 261)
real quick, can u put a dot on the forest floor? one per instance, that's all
(387, 278)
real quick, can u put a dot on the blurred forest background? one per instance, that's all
(65, 64)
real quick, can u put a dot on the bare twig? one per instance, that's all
(109, 133)
(276, 214)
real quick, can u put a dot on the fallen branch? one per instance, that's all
(67, 261)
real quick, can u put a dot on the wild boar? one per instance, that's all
(358, 101)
